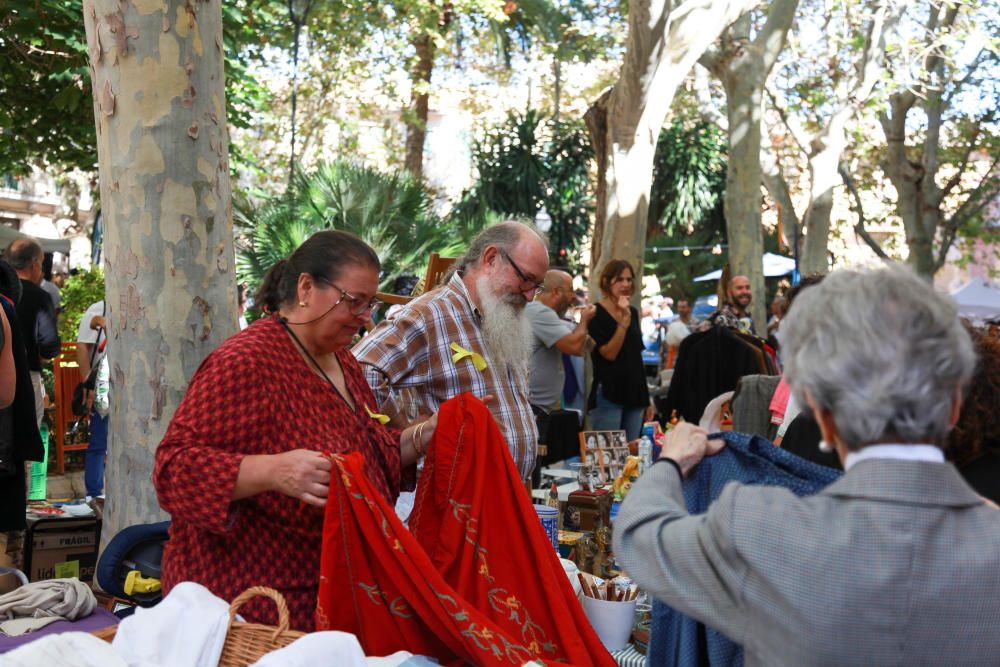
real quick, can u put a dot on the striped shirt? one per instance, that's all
(414, 351)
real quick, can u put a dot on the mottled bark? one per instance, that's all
(918, 197)
(742, 205)
(664, 41)
(159, 101)
(416, 121)
(743, 66)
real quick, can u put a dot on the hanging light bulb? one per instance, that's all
(686, 252)
(717, 249)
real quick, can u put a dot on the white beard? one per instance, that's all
(506, 330)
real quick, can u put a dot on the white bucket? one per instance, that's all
(611, 620)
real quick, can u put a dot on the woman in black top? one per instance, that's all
(619, 395)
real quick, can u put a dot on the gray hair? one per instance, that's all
(504, 235)
(22, 252)
(882, 351)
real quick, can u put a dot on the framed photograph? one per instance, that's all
(606, 451)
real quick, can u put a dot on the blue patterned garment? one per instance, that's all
(676, 639)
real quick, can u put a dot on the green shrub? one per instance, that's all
(79, 293)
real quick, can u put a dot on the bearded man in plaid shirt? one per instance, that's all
(470, 335)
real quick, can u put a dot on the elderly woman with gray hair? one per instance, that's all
(895, 563)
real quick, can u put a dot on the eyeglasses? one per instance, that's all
(533, 285)
(356, 306)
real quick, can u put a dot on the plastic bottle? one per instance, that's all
(645, 453)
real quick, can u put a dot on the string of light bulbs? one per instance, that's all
(686, 249)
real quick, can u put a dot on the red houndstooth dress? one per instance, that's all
(256, 395)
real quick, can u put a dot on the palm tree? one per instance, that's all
(390, 211)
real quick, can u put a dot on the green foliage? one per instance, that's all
(46, 108)
(686, 201)
(46, 113)
(79, 293)
(528, 162)
(391, 212)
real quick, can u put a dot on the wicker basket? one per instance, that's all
(246, 643)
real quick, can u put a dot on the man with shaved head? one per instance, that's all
(735, 312)
(551, 337)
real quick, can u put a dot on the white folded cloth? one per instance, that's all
(317, 648)
(188, 627)
(68, 649)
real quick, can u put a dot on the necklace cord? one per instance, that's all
(284, 322)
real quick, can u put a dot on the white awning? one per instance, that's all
(774, 266)
(8, 235)
(978, 300)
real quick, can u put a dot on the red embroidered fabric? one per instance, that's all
(476, 581)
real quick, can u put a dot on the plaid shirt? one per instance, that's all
(413, 351)
(727, 316)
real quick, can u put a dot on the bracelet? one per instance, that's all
(622, 326)
(415, 438)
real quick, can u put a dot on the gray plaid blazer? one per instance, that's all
(896, 563)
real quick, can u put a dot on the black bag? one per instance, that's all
(79, 402)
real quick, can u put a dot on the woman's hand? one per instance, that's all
(303, 474)
(688, 445)
(624, 311)
(414, 440)
(427, 431)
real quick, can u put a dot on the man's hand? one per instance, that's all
(688, 445)
(97, 322)
(587, 313)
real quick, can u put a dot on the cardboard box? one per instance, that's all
(64, 549)
(10, 556)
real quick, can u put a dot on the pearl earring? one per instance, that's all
(825, 447)
(302, 304)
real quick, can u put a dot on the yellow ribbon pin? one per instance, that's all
(462, 353)
(380, 418)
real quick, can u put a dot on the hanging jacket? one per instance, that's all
(709, 363)
(679, 640)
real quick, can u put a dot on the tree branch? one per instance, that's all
(859, 226)
(771, 38)
(711, 60)
(703, 93)
(887, 15)
(957, 176)
(973, 67)
(799, 133)
(978, 198)
(775, 184)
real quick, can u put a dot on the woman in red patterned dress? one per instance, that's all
(243, 468)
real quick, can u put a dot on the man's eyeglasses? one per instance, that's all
(526, 283)
(356, 306)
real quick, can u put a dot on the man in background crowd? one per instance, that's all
(35, 313)
(551, 337)
(679, 329)
(734, 312)
(91, 342)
